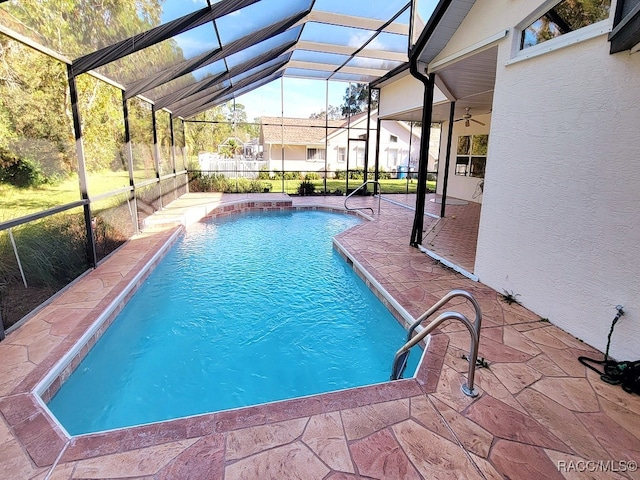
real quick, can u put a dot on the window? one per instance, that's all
(471, 157)
(359, 156)
(342, 154)
(315, 154)
(393, 156)
(566, 16)
(393, 139)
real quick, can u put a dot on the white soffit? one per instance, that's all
(467, 52)
(446, 28)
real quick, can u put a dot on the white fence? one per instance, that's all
(237, 167)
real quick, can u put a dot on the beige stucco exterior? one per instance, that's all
(559, 223)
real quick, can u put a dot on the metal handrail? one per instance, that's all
(442, 302)
(400, 359)
(363, 208)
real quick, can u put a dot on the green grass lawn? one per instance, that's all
(17, 202)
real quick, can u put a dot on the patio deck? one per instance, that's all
(540, 413)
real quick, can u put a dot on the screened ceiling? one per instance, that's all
(188, 56)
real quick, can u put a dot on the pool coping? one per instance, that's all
(48, 443)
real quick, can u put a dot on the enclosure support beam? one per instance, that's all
(447, 160)
(173, 145)
(185, 165)
(282, 128)
(133, 202)
(326, 134)
(366, 145)
(377, 174)
(156, 151)
(409, 155)
(173, 157)
(427, 112)
(156, 35)
(92, 256)
(188, 66)
(349, 142)
(184, 153)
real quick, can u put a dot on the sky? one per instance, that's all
(303, 97)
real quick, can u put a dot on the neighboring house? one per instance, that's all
(560, 103)
(312, 146)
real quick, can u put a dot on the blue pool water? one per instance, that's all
(242, 311)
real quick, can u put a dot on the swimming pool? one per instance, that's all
(199, 334)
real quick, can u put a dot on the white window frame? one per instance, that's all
(342, 154)
(469, 158)
(577, 36)
(391, 158)
(318, 150)
(359, 154)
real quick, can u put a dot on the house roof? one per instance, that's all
(297, 131)
(309, 131)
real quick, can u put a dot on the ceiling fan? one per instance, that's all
(467, 118)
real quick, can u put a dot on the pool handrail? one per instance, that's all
(400, 358)
(360, 187)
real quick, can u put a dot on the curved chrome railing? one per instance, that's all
(400, 359)
(364, 208)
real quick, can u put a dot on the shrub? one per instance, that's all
(264, 173)
(245, 185)
(53, 252)
(306, 188)
(292, 176)
(312, 176)
(382, 174)
(215, 182)
(357, 174)
(20, 172)
(340, 175)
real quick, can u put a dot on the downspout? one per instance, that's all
(427, 111)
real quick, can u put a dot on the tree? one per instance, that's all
(565, 17)
(208, 130)
(334, 114)
(356, 98)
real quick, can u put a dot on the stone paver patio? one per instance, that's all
(540, 413)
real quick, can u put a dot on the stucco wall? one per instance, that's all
(404, 95)
(560, 223)
(486, 18)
